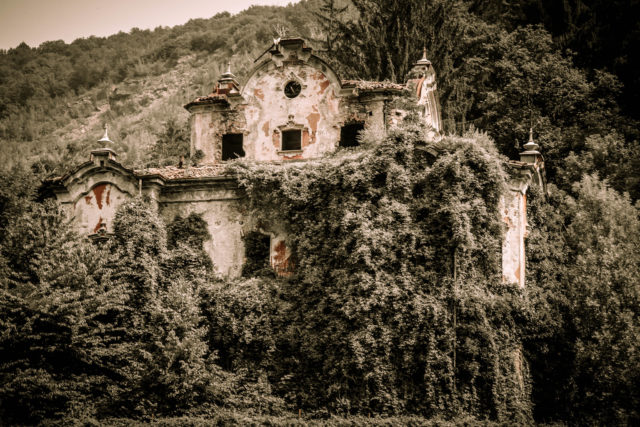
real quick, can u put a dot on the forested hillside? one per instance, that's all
(55, 99)
(375, 323)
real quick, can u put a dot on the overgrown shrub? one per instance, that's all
(397, 305)
(583, 262)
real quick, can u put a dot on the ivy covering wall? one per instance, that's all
(397, 303)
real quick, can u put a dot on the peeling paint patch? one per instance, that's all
(419, 89)
(98, 190)
(88, 199)
(97, 227)
(305, 138)
(275, 138)
(507, 219)
(517, 273)
(313, 119)
(281, 263)
(323, 86)
(258, 94)
(265, 128)
(108, 200)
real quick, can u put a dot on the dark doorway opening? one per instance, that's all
(349, 134)
(232, 146)
(257, 250)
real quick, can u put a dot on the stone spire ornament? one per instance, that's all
(102, 155)
(423, 60)
(530, 153)
(105, 138)
(227, 83)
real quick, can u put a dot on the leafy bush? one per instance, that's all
(397, 305)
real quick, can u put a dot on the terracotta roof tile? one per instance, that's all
(172, 172)
(209, 99)
(368, 85)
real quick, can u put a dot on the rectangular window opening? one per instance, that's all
(349, 134)
(257, 248)
(291, 140)
(232, 146)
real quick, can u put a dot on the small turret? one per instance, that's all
(422, 80)
(422, 66)
(530, 153)
(101, 155)
(227, 83)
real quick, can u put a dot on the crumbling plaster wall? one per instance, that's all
(221, 208)
(97, 207)
(369, 109)
(513, 208)
(208, 125)
(268, 112)
(262, 111)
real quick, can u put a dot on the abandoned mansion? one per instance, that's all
(292, 108)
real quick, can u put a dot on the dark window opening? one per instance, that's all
(257, 250)
(291, 140)
(232, 146)
(349, 134)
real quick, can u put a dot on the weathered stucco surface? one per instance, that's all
(219, 204)
(513, 211)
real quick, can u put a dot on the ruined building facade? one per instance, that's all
(293, 107)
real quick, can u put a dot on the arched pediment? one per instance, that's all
(287, 55)
(100, 169)
(95, 167)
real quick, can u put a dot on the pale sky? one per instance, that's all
(36, 21)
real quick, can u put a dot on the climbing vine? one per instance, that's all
(397, 303)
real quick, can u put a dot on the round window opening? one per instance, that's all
(292, 89)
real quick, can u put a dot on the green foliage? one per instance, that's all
(191, 230)
(370, 314)
(257, 247)
(599, 32)
(497, 77)
(118, 330)
(608, 156)
(47, 312)
(583, 259)
(396, 305)
(172, 145)
(244, 318)
(187, 257)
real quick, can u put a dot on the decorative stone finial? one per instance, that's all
(101, 155)
(227, 75)
(424, 60)
(531, 153)
(105, 138)
(531, 145)
(227, 83)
